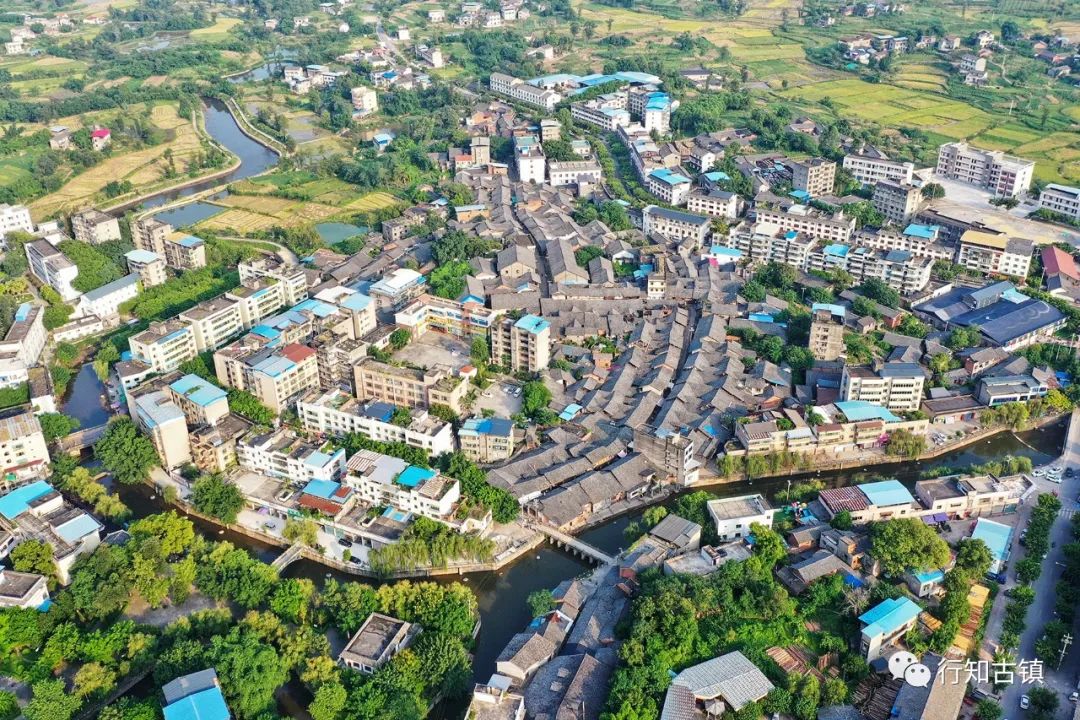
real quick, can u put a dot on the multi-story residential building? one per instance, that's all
(164, 345)
(407, 387)
(381, 480)
(429, 312)
(607, 112)
(529, 160)
(201, 402)
(162, 419)
(672, 452)
(764, 242)
(337, 414)
(714, 203)
(870, 170)
(668, 185)
(358, 308)
(431, 55)
(95, 227)
(378, 640)
(37, 512)
(276, 376)
(23, 452)
(104, 302)
(25, 339)
(364, 101)
(674, 224)
(150, 234)
(1061, 199)
(213, 447)
(53, 268)
(25, 590)
(282, 454)
(213, 322)
(802, 219)
(815, 176)
(14, 217)
(523, 92)
(187, 253)
(734, 516)
(899, 269)
(487, 440)
(574, 172)
(1001, 174)
(149, 266)
(897, 202)
(919, 240)
(522, 345)
(885, 624)
(827, 331)
(396, 229)
(897, 386)
(1009, 388)
(995, 253)
(398, 288)
(275, 271)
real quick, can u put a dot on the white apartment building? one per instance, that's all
(26, 337)
(274, 271)
(462, 319)
(150, 266)
(919, 240)
(1061, 199)
(23, 452)
(714, 203)
(813, 175)
(803, 219)
(1001, 174)
(529, 160)
(95, 227)
(164, 345)
(383, 480)
(213, 322)
(897, 386)
(276, 377)
(674, 224)
(523, 345)
(53, 268)
(357, 307)
(487, 440)
(899, 203)
(872, 170)
(734, 516)
(162, 419)
(574, 172)
(671, 187)
(282, 454)
(523, 92)
(338, 414)
(104, 302)
(398, 288)
(607, 112)
(187, 253)
(14, 217)
(899, 269)
(364, 100)
(995, 253)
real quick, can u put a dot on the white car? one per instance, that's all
(1025, 702)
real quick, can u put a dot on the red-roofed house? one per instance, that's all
(1059, 268)
(100, 138)
(297, 353)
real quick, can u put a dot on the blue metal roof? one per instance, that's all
(267, 332)
(316, 307)
(997, 537)
(926, 232)
(155, 409)
(321, 488)
(197, 390)
(721, 250)
(889, 616)
(274, 365)
(191, 241)
(114, 286)
(800, 195)
(355, 301)
(487, 426)
(532, 324)
(929, 576)
(570, 412)
(318, 459)
(717, 175)
(208, 704)
(16, 502)
(77, 528)
(886, 492)
(412, 476)
(859, 410)
(837, 250)
(668, 177)
(838, 310)
(142, 256)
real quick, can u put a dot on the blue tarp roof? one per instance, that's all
(717, 176)
(800, 195)
(23, 312)
(500, 427)
(889, 616)
(570, 412)
(837, 250)
(16, 502)
(532, 323)
(929, 576)
(356, 301)
(208, 704)
(886, 492)
(721, 250)
(413, 476)
(834, 309)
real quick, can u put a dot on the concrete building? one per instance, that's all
(899, 203)
(36, 511)
(201, 402)
(713, 203)
(995, 253)
(380, 638)
(407, 387)
(150, 234)
(398, 288)
(487, 440)
(885, 624)
(870, 170)
(1003, 389)
(734, 516)
(897, 386)
(899, 269)
(671, 187)
(461, 319)
(1061, 199)
(495, 701)
(607, 112)
(187, 253)
(163, 421)
(149, 266)
(282, 454)
(104, 302)
(523, 92)
(23, 452)
(164, 345)
(384, 481)
(574, 172)
(529, 161)
(22, 345)
(827, 332)
(674, 224)
(522, 345)
(277, 377)
(337, 414)
(53, 268)
(23, 590)
(364, 101)
(871, 502)
(95, 227)
(815, 176)
(803, 219)
(993, 170)
(14, 218)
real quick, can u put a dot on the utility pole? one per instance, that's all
(1065, 643)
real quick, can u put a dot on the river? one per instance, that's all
(501, 595)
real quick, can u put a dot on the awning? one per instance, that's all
(935, 518)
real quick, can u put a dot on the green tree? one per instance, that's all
(250, 672)
(540, 602)
(933, 191)
(904, 443)
(291, 600)
(842, 520)
(328, 701)
(250, 407)
(125, 452)
(535, 398)
(877, 289)
(94, 679)
(56, 425)
(400, 338)
(217, 497)
(1044, 703)
(987, 709)
(51, 702)
(973, 557)
(35, 556)
(479, 352)
(302, 530)
(907, 543)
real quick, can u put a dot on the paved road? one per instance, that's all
(1042, 610)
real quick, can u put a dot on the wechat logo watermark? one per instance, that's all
(904, 665)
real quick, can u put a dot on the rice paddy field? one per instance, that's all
(218, 31)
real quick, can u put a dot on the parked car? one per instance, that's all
(1025, 702)
(344, 543)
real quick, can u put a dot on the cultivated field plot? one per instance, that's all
(218, 31)
(143, 168)
(260, 211)
(921, 76)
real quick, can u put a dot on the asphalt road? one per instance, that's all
(1062, 679)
